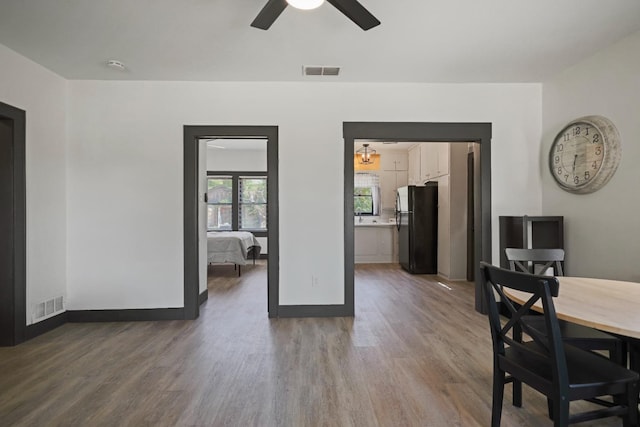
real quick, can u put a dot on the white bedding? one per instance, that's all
(231, 246)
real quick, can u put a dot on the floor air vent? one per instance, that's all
(48, 308)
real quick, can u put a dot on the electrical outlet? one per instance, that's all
(314, 281)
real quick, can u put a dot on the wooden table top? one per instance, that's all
(608, 305)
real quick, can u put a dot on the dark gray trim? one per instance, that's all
(190, 206)
(44, 326)
(132, 315)
(204, 295)
(313, 311)
(419, 132)
(13, 325)
(191, 275)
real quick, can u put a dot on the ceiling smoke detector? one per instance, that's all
(316, 70)
(116, 65)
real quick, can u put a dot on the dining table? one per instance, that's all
(608, 305)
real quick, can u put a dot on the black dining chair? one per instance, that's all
(533, 260)
(560, 371)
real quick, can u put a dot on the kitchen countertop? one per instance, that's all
(374, 224)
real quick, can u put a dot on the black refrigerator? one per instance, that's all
(417, 222)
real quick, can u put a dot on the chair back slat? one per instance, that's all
(525, 260)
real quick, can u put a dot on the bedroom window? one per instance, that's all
(220, 203)
(237, 201)
(252, 203)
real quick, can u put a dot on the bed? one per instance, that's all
(236, 247)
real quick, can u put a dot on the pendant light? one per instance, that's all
(366, 155)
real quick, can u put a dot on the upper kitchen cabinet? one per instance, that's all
(392, 160)
(443, 154)
(393, 174)
(434, 160)
(414, 175)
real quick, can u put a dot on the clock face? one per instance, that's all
(585, 154)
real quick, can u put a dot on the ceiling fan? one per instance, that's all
(352, 9)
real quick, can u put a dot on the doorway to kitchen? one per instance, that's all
(12, 226)
(458, 133)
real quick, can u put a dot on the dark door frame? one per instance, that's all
(418, 132)
(192, 136)
(470, 216)
(13, 307)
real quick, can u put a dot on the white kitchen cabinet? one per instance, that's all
(374, 243)
(396, 244)
(402, 180)
(393, 174)
(393, 160)
(452, 215)
(444, 240)
(442, 154)
(389, 182)
(434, 160)
(414, 165)
(387, 189)
(428, 161)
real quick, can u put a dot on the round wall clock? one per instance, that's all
(585, 154)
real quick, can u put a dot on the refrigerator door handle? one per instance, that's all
(398, 211)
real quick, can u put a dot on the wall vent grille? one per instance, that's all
(316, 70)
(48, 308)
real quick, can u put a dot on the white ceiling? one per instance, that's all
(211, 40)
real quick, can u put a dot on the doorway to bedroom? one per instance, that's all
(235, 216)
(231, 220)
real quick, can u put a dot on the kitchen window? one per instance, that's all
(366, 194)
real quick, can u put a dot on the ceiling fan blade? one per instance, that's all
(356, 12)
(269, 14)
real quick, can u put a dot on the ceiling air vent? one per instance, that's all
(320, 71)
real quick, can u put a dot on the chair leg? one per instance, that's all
(498, 395)
(517, 393)
(619, 353)
(633, 347)
(517, 385)
(631, 418)
(560, 412)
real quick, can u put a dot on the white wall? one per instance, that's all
(601, 228)
(125, 173)
(43, 95)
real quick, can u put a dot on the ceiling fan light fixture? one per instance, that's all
(305, 4)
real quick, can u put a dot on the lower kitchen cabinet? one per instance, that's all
(375, 244)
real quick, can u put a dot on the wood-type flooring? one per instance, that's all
(415, 354)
